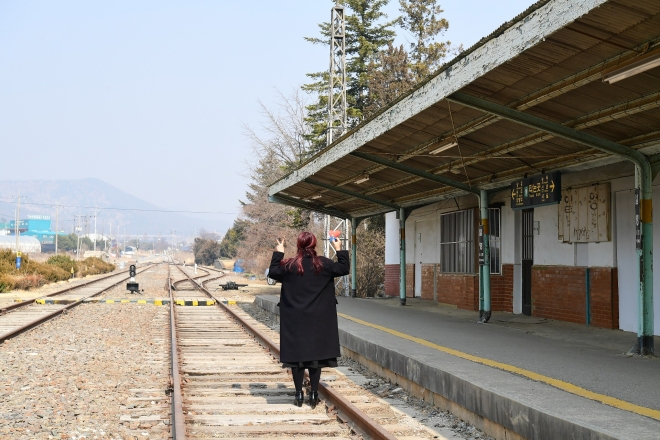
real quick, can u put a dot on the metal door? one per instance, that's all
(527, 259)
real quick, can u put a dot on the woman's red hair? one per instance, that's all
(306, 248)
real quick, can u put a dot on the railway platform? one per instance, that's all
(515, 377)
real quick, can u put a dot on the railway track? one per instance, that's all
(19, 317)
(228, 382)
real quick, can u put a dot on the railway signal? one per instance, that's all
(132, 286)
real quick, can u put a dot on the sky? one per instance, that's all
(153, 96)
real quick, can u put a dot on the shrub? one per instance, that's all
(27, 282)
(63, 262)
(94, 266)
(57, 268)
(7, 283)
(30, 275)
(52, 273)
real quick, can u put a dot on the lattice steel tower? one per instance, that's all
(337, 75)
(337, 118)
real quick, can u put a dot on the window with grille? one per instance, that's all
(494, 240)
(457, 242)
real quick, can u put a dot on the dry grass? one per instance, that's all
(33, 274)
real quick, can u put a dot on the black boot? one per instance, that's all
(298, 401)
(313, 399)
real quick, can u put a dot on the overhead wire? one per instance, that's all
(457, 144)
(126, 209)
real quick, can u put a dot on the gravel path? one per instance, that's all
(100, 371)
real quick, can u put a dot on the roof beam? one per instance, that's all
(355, 194)
(564, 85)
(548, 126)
(290, 201)
(415, 171)
(520, 36)
(623, 109)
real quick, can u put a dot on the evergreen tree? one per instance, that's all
(422, 19)
(387, 78)
(366, 35)
(233, 238)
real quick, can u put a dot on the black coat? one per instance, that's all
(308, 308)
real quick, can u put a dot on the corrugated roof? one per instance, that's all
(551, 72)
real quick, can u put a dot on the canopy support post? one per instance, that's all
(354, 225)
(484, 269)
(402, 260)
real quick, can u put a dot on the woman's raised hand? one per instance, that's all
(336, 244)
(280, 245)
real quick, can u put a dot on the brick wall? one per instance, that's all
(410, 280)
(392, 280)
(461, 290)
(501, 290)
(604, 297)
(559, 292)
(427, 280)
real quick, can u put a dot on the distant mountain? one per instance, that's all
(78, 197)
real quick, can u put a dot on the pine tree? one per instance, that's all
(422, 19)
(366, 35)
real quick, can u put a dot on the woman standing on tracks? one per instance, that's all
(309, 337)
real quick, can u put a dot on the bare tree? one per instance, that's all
(281, 146)
(370, 260)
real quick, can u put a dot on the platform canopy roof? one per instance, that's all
(566, 85)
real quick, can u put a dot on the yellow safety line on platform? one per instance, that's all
(562, 385)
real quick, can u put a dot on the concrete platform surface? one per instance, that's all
(538, 378)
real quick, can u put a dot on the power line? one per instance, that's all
(129, 209)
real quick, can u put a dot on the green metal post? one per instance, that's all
(353, 257)
(643, 178)
(402, 261)
(484, 271)
(587, 318)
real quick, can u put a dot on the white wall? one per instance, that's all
(392, 255)
(426, 246)
(628, 272)
(548, 250)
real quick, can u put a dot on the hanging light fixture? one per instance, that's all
(444, 147)
(633, 67)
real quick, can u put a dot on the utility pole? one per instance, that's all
(95, 211)
(57, 225)
(17, 230)
(77, 220)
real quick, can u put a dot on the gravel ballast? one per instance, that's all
(100, 371)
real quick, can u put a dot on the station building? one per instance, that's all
(520, 176)
(37, 226)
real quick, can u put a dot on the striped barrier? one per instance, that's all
(194, 302)
(154, 301)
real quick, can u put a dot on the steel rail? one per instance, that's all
(178, 421)
(42, 319)
(351, 412)
(59, 292)
(191, 278)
